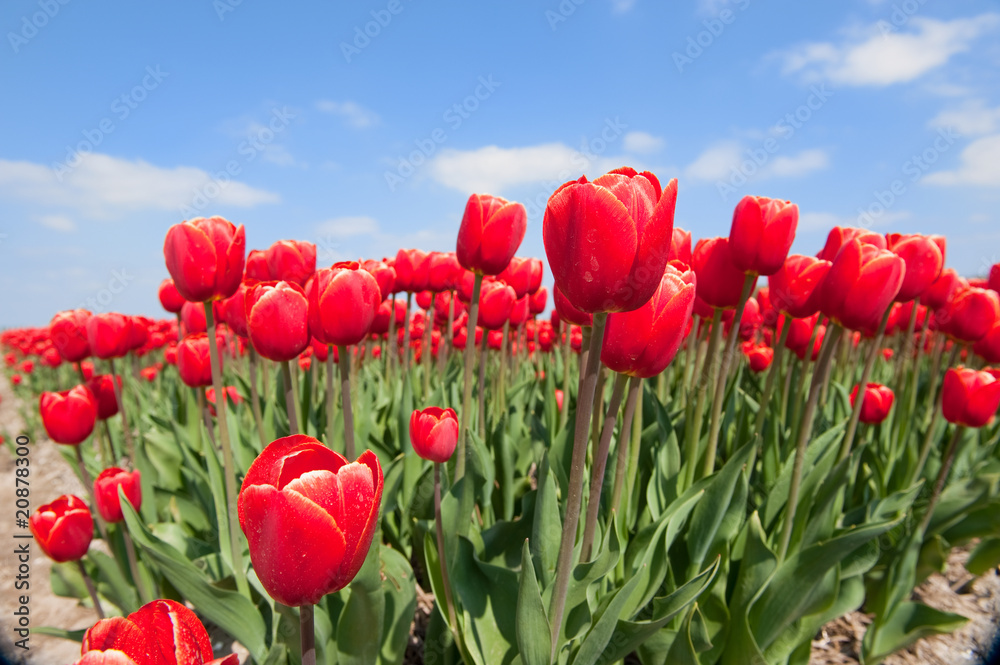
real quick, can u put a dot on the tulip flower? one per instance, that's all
(720, 282)
(291, 261)
(256, 267)
(277, 319)
(762, 233)
(109, 334)
(759, 356)
(193, 361)
(840, 236)
(560, 396)
(569, 313)
(924, 259)
(643, 342)
(861, 285)
(309, 516)
(388, 309)
(103, 390)
(994, 279)
(384, 274)
(492, 229)
(230, 392)
(794, 289)
(941, 290)
(205, 257)
(150, 373)
(68, 332)
(680, 246)
(412, 271)
(538, 300)
(434, 433)
(233, 310)
(343, 302)
(877, 402)
(970, 397)
(523, 275)
(607, 241)
(63, 528)
(68, 416)
(443, 271)
(970, 314)
(106, 492)
(170, 298)
(519, 312)
(988, 348)
(496, 300)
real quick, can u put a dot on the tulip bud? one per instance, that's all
(384, 274)
(759, 357)
(720, 281)
(496, 300)
(434, 433)
(205, 257)
(924, 261)
(278, 319)
(291, 261)
(103, 390)
(970, 314)
(523, 275)
(343, 303)
(257, 268)
(877, 403)
(492, 229)
(538, 300)
(63, 528)
(194, 361)
(840, 236)
(68, 416)
(170, 298)
(762, 233)
(680, 246)
(969, 397)
(412, 271)
(861, 285)
(106, 492)
(794, 289)
(68, 332)
(109, 335)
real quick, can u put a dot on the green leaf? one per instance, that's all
(907, 624)
(607, 618)
(359, 633)
(984, 557)
(546, 527)
(62, 633)
(710, 511)
(400, 592)
(534, 636)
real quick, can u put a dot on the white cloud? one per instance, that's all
(346, 227)
(884, 54)
(980, 165)
(972, 119)
(721, 160)
(642, 143)
(791, 166)
(57, 222)
(824, 221)
(354, 114)
(716, 162)
(101, 186)
(622, 6)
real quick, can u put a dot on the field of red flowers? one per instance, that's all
(681, 464)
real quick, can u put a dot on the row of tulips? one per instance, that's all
(752, 494)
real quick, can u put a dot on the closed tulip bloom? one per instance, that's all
(519, 312)
(492, 229)
(193, 318)
(994, 280)
(424, 300)
(257, 267)
(941, 291)
(384, 274)
(443, 270)
(106, 492)
(607, 241)
(567, 312)
(68, 332)
(840, 236)
(758, 356)
(193, 360)
(924, 261)
(291, 261)
(170, 298)
(971, 314)
(538, 300)
(278, 319)
(412, 271)
(138, 333)
(794, 289)
(233, 310)
(68, 416)
(988, 348)
(860, 285)
(762, 233)
(969, 397)
(720, 282)
(109, 334)
(162, 632)
(230, 392)
(343, 302)
(309, 516)
(434, 433)
(496, 300)
(388, 308)
(680, 246)
(103, 390)
(63, 528)
(205, 257)
(523, 275)
(642, 342)
(877, 404)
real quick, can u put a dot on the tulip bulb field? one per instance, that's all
(684, 451)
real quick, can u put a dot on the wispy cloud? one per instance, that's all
(57, 222)
(353, 114)
(979, 166)
(973, 118)
(718, 161)
(642, 143)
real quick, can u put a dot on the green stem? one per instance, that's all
(502, 376)
(859, 400)
(344, 363)
(946, 462)
(255, 399)
(566, 351)
(690, 355)
(426, 351)
(307, 634)
(938, 400)
(290, 397)
(140, 584)
(484, 357)
(803, 373)
(126, 431)
(330, 404)
(621, 462)
(470, 348)
(91, 590)
(772, 373)
(600, 464)
(692, 437)
(442, 556)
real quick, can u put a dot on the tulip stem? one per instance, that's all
(584, 404)
(720, 383)
(344, 363)
(255, 398)
(693, 433)
(406, 336)
(772, 374)
(206, 418)
(391, 341)
(483, 358)
(112, 456)
(290, 401)
(426, 352)
(600, 463)
(89, 484)
(442, 557)
(445, 349)
(946, 461)
(938, 398)
(807, 360)
(329, 396)
(235, 551)
(91, 590)
(624, 445)
(307, 632)
(470, 345)
(859, 400)
(911, 374)
(597, 411)
(829, 343)
(566, 350)
(501, 376)
(690, 355)
(126, 432)
(133, 565)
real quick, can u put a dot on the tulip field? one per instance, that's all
(694, 453)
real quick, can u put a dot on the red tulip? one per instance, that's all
(523, 275)
(68, 332)
(860, 285)
(994, 280)
(257, 267)
(970, 398)
(380, 324)
(762, 233)
(103, 390)
(384, 274)
(109, 334)
(51, 357)
(643, 342)
(343, 302)
(16, 379)
(569, 313)
(434, 433)
(138, 332)
(750, 322)
(424, 299)
(971, 314)
(538, 300)
(309, 517)
(163, 632)
(63, 528)
(291, 261)
(607, 241)
(170, 298)
(519, 312)
(205, 257)
(794, 289)
(680, 246)
(496, 300)
(941, 291)
(492, 229)
(149, 373)
(720, 282)
(278, 319)
(443, 270)
(193, 360)
(68, 416)
(230, 392)
(759, 357)
(233, 310)
(840, 236)
(412, 270)
(877, 403)
(988, 348)
(924, 261)
(106, 492)
(461, 333)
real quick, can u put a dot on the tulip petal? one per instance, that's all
(191, 261)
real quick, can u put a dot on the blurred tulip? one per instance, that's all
(434, 433)
(924, 261)
(106, 492)
(443, 271)
(496, 300)
(68, 416)
(759, 357)
(680, 246)
(988, 348)
(877, 404)
(170, 298)
(193, 361)
(63, 528)
(109, 334)
(291, 261)
(412, 271)
(492, 229)
(343, 301)
(278, 319)
(720, 282)
(523, 275)
(103, 390)
(969, 397)
(380, 324)
(861, 285)
(941, 291)
(762, 233)
(230, 392)
(68, 332)
(256, 266)
(384, 274)
(538, 300)
(233, 310)
(205, 257)
(794, 289)
(971, 314)
(994, 279)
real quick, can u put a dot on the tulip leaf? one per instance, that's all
(227, 609)
(606, 619)
(578, 610)
(534, 636)
(400, 593)
(61, 633)
(984, 557)
(546, 528)
(905, 625)
(359, 632)
(711, 510)
(222, 515)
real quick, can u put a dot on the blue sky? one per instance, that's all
(364, 126)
